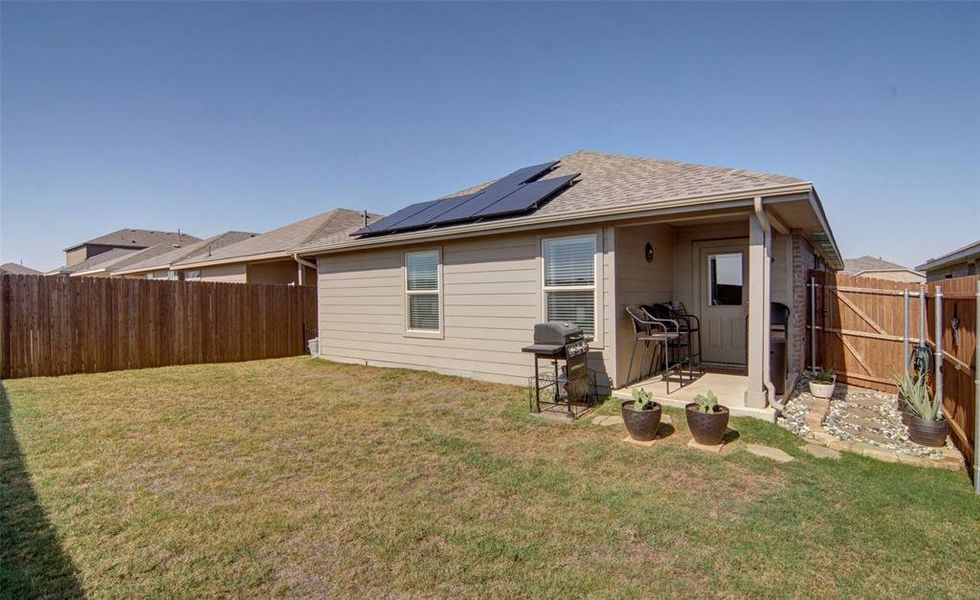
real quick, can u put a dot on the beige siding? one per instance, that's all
(491, 299)
(280, 271)
(963, 269)
(640, 282)
(223, 274)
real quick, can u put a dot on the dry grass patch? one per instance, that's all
(298, 478)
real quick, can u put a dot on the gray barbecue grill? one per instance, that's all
(569, 384)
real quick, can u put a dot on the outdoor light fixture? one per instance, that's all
(648, 252)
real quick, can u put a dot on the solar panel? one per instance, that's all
(513, 193)
(394, 218)
(527, 196)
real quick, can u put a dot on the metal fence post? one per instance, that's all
(922, 315)
(905, 335)
(939, 345)
(813, 323)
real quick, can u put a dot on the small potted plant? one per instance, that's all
(927, 425)
(707, 419)
(641, 416)
(822, 383)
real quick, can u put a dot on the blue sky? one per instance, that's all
(209, 117)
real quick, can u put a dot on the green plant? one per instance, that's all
(823, 375)
(918, 397)
(706, 402)
(642, 399)
(909, 384)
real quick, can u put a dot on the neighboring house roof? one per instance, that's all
(871, 264)
(16, 269)
(200, 249)
(612, 185)
(136, 238)
(956, 256)
(98, 261)
(281, 242)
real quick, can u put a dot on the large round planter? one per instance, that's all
(642, 425)
(707, 428)
(822, 390)
(928, 433)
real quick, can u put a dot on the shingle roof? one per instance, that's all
(287, 238)
(953, 257)
(870, 263)
(15, 269)
(98, 261)
(190, 251)
(614, 180)
(137, 238)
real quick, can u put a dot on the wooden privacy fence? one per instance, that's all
(859, 324)
(62, 325)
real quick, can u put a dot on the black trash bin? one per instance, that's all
(778, 369)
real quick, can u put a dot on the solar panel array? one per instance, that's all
(517, 193)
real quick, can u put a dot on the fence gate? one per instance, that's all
(860, 329)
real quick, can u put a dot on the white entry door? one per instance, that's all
(724, 299)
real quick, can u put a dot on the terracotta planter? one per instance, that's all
(642, 425)
(823, 390)
(707, 428)
(928, 433)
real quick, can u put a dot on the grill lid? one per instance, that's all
(557, 332)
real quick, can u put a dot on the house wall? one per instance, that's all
(491, 299)
(901, 276)
(640, 282)
(963, 269)
(234, 273)
(83, 252)
(804, 260)
(280, 271)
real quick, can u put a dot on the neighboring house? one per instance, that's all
(870, 266)
(269, 257)
(461, 297)
(103, 265)
(958, 263)
(16, 269)
(160, 266)
(129, 239)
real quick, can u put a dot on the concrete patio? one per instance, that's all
(728, 386)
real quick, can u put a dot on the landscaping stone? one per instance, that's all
(646, 444)
(692, 443)
(821, 451)
(767, 452)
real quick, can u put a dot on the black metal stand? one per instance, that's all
(542, 382)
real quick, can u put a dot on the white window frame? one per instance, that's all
(423, 333)
(594, 288)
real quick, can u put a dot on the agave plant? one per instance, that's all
(706, 402)
(909, 384)
(918, 397)
(642, 399)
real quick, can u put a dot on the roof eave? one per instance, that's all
(950, 259)
(660, 207)
(232, 260)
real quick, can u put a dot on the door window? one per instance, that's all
(725, 279)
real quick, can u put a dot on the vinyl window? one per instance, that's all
(423, 291)
(570, 280)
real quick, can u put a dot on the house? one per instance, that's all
(270, 257)
(870, 266)
(128, 239)
(104, 264)
(16, 269)
(455, 285)
(961, 262)
(160, 266)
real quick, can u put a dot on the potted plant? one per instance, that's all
(641, 416)
(927, 425)
(707, 419)
(822, 383)
(909, 385)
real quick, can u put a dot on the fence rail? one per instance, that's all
(860, 328)
(63, 325)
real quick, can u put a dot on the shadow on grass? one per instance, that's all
(32, 562)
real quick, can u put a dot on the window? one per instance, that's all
(569, 280)
(422, 288)
(725, 279)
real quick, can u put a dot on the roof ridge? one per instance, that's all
(731, 170)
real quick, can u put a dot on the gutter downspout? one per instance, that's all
(760, 214)
(302, 262)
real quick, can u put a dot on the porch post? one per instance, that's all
(760, 254)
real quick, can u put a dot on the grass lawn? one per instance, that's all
(299, 477)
